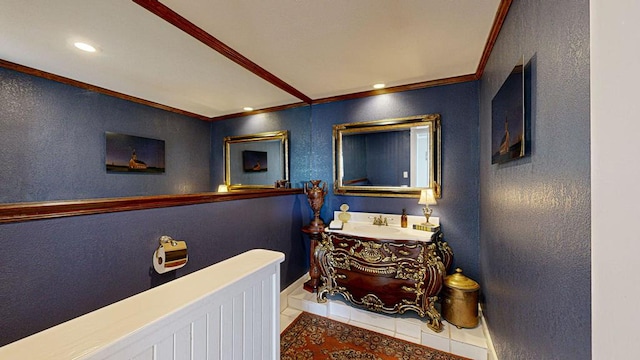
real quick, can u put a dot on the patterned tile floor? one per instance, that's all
(470, 343)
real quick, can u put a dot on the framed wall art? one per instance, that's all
(509, 128)
(133, 154)
(253, 161)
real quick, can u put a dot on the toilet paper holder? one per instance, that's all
(170, 255)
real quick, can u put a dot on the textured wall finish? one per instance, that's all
(311, 155)
(535, 212)
(55, 270)
(49, 283)
(388, 158)
(52, 139)
(53, 143)
(458, 208)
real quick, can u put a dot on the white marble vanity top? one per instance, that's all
(361, 224)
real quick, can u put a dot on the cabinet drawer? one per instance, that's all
(379, 252)
(389, 290)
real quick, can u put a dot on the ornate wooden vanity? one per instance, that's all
(386, 275)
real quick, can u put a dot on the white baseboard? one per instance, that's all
(284, 294)
(487, 335)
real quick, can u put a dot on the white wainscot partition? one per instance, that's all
(229, 310)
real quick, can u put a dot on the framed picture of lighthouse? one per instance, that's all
(253, 161)
(509, 136)
(133, 154)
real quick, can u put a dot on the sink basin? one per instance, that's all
(384, 232)
(374, 230)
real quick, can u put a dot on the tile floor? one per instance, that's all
(470, 343)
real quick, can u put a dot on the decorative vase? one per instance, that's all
(344, 216)
(315, 196)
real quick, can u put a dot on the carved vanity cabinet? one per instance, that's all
(385, 275)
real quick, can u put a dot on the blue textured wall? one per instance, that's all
(535, 212)
(55, 270)
(355, 165)
(388, 158)
(52, 140)
(53, 143)
(311, 155)
(458, 208)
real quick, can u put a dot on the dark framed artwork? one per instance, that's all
(509, 133)
(134, 154)
(254, 161)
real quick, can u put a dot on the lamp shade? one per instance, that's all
(223, 188)
(427, 197)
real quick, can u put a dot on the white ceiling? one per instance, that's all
(322, 48)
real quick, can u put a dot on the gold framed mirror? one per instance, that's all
(391, 157)
(256, 161)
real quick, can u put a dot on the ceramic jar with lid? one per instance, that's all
(460, 300)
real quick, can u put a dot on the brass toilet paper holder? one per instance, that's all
(170, 255)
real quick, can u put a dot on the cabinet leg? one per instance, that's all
(435, 320)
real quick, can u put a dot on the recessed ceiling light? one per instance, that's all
(379, 86)
(247, 108)
(84, 47)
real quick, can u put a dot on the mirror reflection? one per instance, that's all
(257, 161)
(392, 157)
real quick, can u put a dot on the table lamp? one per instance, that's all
(427, 198)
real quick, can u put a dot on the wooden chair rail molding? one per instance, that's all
(18, 212)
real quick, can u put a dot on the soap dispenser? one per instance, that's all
(403, 218)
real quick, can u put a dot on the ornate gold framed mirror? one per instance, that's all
(391, 157)
(256, 161)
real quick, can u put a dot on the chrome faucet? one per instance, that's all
(380, 221)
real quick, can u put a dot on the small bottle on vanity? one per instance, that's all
(403, 218)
